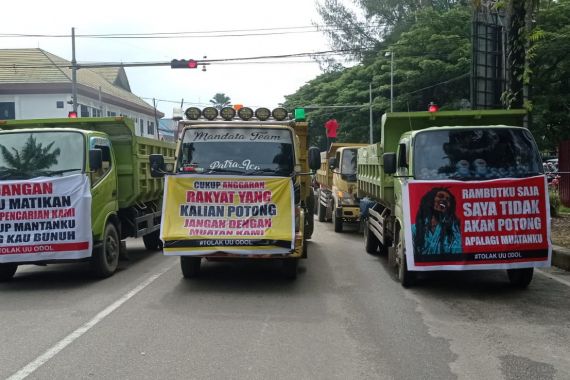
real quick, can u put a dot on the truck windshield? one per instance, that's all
(233, 150)
(475, 154)
(348, 165)
(25, 155)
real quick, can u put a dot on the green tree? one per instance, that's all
(32, 157)
(550, 65)
(220, 100)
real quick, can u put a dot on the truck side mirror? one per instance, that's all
(156, 165)
(95, 159)
(389, 160)
(314, 158)
(402, 156)
(332, 163)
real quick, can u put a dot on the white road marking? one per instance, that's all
(548, 275)
(59, 346)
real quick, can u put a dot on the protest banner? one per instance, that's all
(45, 219)
(496, 224)
(207, 214)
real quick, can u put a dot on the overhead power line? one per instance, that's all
(199, 34)
(200, 62)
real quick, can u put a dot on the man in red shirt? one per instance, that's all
(331, 126)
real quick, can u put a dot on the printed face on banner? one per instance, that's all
(454, 224)
(205, 214)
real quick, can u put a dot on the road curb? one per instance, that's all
(561, 257)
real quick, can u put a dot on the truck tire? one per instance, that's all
(337, 221)
(7, 271)
(406, 277)
(310, 216)
(106, 258)
(289, 268)
(520, 278)
(190, 266)
(152, 241)
(321, 214)
(371, 243)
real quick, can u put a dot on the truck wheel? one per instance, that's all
(520, 278)
(152, 241)
(289, 268)
(106, 259)
(337, 221)
(7, 271)
(321, 214)
(406, 277)
(190, 266)
(370, 240)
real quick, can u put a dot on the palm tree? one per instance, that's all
(220, 100)
(32, 157)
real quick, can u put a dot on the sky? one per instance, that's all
(254, 85)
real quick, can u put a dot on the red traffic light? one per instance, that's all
(72, 115)
(183, 64)
(432, 107)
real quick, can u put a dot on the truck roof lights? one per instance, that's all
(279, 113)
(262, 113)
(210, 113)
(227, 113)
(193, 113)
(245, 113)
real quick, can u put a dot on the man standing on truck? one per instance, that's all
(331, 126)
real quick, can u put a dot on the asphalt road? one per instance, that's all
(345, 317)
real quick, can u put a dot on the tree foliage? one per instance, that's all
(32, 157)
(435, 49)
(550, 78)
(220, 100)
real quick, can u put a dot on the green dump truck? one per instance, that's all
(336, 182)
(72, 189)
(455, 190)
(240, 189)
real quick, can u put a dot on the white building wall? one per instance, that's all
(41, 106)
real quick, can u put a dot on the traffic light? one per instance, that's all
(183, 64)
(432, 107)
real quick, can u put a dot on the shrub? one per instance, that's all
(554, 202)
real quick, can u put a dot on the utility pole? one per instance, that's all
(392, 81)
(156, 118)
(370, 107)
(73, 72)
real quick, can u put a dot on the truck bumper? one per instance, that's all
(348, 213)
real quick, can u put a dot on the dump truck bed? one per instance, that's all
(131, 152)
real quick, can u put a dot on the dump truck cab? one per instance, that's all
(336, 194)
(98, 192)
(248, 180)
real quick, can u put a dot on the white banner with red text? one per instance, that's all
(45, 219)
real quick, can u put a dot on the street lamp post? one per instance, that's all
(391, 54)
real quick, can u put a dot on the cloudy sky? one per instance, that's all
(256, 85)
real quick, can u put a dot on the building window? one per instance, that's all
(84, 111)
(150, 128)
(7, 110)
(59, 104)
(141, 126)
(109, 113)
